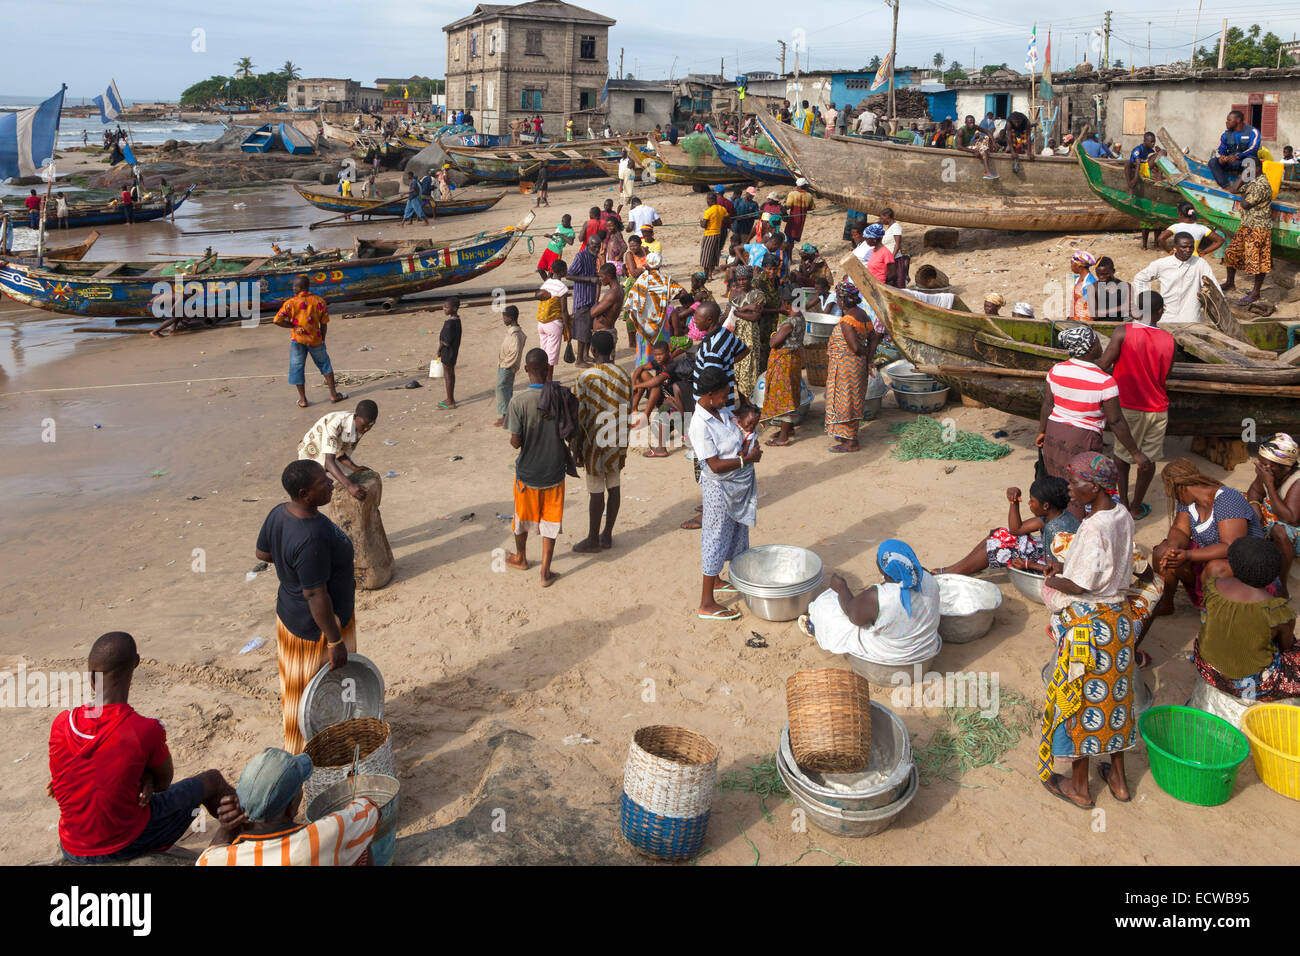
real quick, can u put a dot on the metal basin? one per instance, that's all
(776, 570)
(819, 326)
(782, 608)
(960, 590)
(1028, 583)
(884, 780)
(383, 790)
(921, 401)
(882, 675)
(851, 823)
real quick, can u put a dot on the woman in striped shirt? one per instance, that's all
(1080, 400)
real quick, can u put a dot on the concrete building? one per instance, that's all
(334, 94)
(638, 106)
(513, 61)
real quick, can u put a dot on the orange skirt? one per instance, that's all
(299, 662)
(539, 510)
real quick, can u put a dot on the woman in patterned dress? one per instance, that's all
(784, 380)
(746, 305)
(1097, 620)
(849, 353)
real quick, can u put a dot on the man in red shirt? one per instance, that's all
(33, 203)
(594, 226)
(111, 772)
(1139, 357)
(128, 205)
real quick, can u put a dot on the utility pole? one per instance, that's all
(1148, 44)
(1105, 44)
(1196, 28)
(1223, 41)
(782, 42)
(620, 63)
(893, 48)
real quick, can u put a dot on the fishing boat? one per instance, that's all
(260, 140)
(73, 252)
(371, 269)
(1152, 202)
(83, 214)
(511, 164)
(295, 140)
(1201, 170)
(672, 164)
(342, 134)
(1003, 360)
(754, 163)
(945, 187)
(394, 205)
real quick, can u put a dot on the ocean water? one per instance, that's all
(145, 133)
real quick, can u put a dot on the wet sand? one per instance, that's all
(488, 674)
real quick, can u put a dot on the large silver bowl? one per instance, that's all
(819, 326)
(882, 675)
(851, 823)
(959, 588)
(881, 783)
(778, 581)
(1028, 583)
(921, 401)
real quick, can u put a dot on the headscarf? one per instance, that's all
(1023, 309)
(1094, 467)
(1281, 449)
(808, 248)
(801, 182)
(995, 298)
(846, 290)
(654, 260)
(744, 272)
(1078, 340)
(772, 260)
(874, 231)
(900, 565)
(1083, 259)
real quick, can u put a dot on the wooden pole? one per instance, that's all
(893, 48)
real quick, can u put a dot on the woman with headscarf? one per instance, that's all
(745, 317)
(873, 254)
(1097, 619)
(849, 354)
(728, 485)
(652, 294)
(756, 327)
(1275, 496)
(784, 381)
(1079, 401)
(811, 266)
(1205, 518)
(1081, 264)
(895, 622)
(993, 303)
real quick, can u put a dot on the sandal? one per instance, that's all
(1144, 510)
(725, 587)
(726, 614)
(1143, 660)
(806, 626)
(1056, 791)
(1104, 768)
(693, 524)
(340, 397)
(303, 403)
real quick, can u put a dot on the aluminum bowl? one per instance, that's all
(783, 608)
(921, 401)
(776, 570)
(819, 326)
(891, 759)
(1028, 583)
(851, 823)
(962, 628)
(882, 675)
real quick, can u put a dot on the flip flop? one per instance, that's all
(342, 397)
(692, 524)
(845, 451)
(1061, 794)
(1246, 300)
(727, 614)
(726, 589)
(1143, 511)
(1104, 768)
(303, 403)
(445, 405)
(806, 626)
(1143, 660)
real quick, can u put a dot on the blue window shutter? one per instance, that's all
(990, 104)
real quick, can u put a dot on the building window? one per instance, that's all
(455, 49)
(469, 98)
(302, 89)
(530, 100)
(533, 42)
(473, 45)
(1135, 116)
(638, 105)
(1260, 111)
(587, 99)
(587, 48)
(492, 41)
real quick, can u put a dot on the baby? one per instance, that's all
(747, 419)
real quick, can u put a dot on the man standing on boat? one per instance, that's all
(1180, 278)
(1238, 151)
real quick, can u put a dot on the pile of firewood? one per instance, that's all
(909, 103)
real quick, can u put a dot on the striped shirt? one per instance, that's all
(718, 351)
(604, 395)
(1078, 389)
(339, 839)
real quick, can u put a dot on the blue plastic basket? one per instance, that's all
(668, 838)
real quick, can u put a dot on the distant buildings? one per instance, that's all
(333, 94)
(514, 61)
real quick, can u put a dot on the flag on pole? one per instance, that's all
(27, 137)
(882, 74)
(1031, 54)
(127, 154)
(110, 104)
(1045, 85)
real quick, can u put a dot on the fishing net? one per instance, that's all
(967, 739)
(764, 144)
(698, 147)
(930, 438)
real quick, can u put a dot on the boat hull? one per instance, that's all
(295, 141)
(672, 164)
(114, 215)
(1222, 210)
(259, 141)
(395, 205)
(1152, 203)
(945, 187)
(754, 163)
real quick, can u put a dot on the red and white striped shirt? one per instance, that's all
(1078, 389)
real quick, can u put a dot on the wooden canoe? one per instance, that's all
(511, 164)
(73, 252)
(343, 134)
(945, 187)
(1001, 361)
(1153, 203)
(370, 270)
(394, 205)
(672, 164)
(111, 213)
(750, 162)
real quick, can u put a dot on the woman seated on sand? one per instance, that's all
(1209, 517)
(1023, 544)
(1275, 496)
(896, 622)
(1247, 646)
(1096, 620)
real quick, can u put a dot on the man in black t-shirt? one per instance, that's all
(314, 607)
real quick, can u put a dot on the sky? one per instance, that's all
(156, 48)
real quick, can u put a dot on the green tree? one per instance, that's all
(1245, 50)
(290, 70)
(1117, 65)
(872, 65)
(244, 67)
(939, 60)
(990, 68)
(954, 73)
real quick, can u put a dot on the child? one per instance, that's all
(1247, 646)
(449, 348)
(1017, 545)
(649, 379)
(747, 419)
(508, 362)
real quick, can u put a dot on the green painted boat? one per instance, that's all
(1154, 204)
(1222, 210)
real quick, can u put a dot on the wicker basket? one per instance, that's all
(668, 785)
(830, 720)
(332, 750)
(815, 364)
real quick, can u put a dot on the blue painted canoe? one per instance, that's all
(260, 140)
(220, 286)
(754, 163)
(81, 215)
(295, 141)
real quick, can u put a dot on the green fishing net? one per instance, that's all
(698, 147)
(930, 438)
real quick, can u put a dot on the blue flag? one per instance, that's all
(127, 154)
(27, 137)
(110, 104)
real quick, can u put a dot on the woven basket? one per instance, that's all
(830, 720)
(668, 785)
(332, 750)
(814, 364)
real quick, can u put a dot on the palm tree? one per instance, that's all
(244, 67)
(873, 64)
(290, 70)
(938, 61)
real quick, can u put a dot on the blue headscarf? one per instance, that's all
(874, 231)
(900, 565)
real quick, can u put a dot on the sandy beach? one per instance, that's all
(141, 516)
